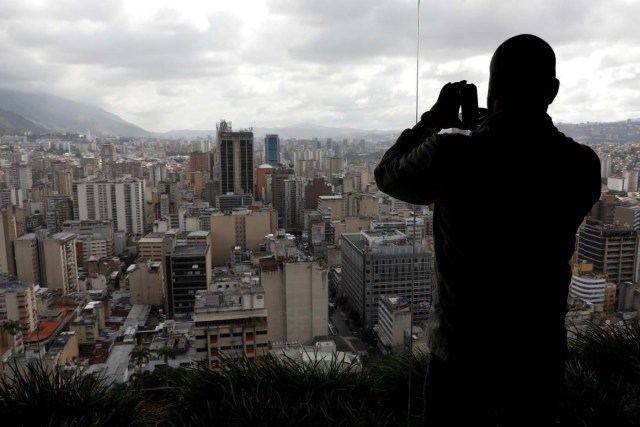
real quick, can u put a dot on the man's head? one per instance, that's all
(522, 75)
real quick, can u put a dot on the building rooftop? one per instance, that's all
(190, 250)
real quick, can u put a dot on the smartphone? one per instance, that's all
(469, 106)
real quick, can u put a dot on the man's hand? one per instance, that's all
(445, 111)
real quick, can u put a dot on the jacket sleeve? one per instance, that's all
(408, 170)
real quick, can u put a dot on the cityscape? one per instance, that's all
(123, 255)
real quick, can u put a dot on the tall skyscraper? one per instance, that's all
(277, 191)
(272, 150)
(236, 160)
(293, 202)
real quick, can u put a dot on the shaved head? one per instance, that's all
(523, 73)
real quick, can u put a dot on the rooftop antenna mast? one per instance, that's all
(413, 243)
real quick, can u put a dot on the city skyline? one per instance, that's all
(168, 65)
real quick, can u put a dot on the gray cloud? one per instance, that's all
(328, 62)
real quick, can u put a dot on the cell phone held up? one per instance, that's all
(469, 105)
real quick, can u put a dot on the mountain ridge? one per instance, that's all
(39, 113)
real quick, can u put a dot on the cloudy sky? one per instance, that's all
(187, 64)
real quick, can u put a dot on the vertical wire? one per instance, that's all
(413, 242)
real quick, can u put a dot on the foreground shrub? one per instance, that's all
(36, 395)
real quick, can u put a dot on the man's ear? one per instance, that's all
(553, 88)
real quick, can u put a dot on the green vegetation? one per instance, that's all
(603, 389)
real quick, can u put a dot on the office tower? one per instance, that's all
(8, 233)
(375, 263)
(239, 228)
(277, 191)
(296, 298)
(28, 259)
(272, 150)
(611, 249)
(261, 180)
(121, 200)
(146, 282)
(293, 202)
(60, 260)
(18, 302)
(231, 322)
(190, 272)
(236, 160)
(315, 189)
(229, 202)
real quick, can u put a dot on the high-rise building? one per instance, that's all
(146, 282)
(8, 233)
(28, 259)
(120, 200)
(611, 249)
(261, 180)
(190, 272)
(627, 216)
(60, 260)
(277, 191)
(394, 318)
(18, 302)
(199, 162)
(239, 228)
(272, 150)
(18, 175)
(296, 298)
(96, 236)
(315, 189)
(293, 202)
(231, 322)
(108, 156)
(236, 160)
(591, 287)
(334, 204)
(375, 263)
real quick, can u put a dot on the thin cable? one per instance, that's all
(413, 242)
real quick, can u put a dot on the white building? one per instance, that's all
(121, 200)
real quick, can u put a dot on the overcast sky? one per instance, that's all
(187, 64)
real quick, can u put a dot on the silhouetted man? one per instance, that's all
(509, 198)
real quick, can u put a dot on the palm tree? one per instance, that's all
(166, 352)
(139, 355)
(12, 327)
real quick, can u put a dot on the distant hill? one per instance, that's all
(39, 112)
(304, 131)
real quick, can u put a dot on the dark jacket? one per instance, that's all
(508, 200)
